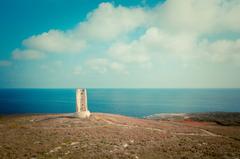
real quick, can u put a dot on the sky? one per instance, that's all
(120, 44)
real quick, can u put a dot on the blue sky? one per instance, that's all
(120, 44)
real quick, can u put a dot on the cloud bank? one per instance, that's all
(182, 30)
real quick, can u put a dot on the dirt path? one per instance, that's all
(110, 122)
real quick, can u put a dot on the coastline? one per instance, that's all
(221, 118)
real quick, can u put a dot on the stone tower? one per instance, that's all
(81, 103)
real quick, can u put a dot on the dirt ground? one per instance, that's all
(114, 136)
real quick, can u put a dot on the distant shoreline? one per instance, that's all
(221, 118)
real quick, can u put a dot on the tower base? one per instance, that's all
(83, 114)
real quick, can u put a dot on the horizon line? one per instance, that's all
(121, 88)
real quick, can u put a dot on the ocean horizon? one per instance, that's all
(136, 102)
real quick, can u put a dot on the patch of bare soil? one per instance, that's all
(114, 136)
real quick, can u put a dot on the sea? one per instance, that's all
(129, 102)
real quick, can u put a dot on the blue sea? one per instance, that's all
(130, 102)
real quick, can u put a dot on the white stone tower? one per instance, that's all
(81, 103)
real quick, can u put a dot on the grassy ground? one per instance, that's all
(114, 136)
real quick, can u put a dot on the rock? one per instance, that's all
(37, 142)
(125, 145)
(68, 152)
(74, 143)
(55, 149)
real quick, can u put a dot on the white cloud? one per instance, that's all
(55, 41)
(5, 63)
(118, 67)
(177, 28)
(103, 24)
(102, 65)
(108, 22)
(222, 50)
(153, 42)
(156, 40)
(18, 54)
(129, 53)
(198, 16)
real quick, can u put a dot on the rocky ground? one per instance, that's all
(114, 136)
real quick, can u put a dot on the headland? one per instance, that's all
(202, 135)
